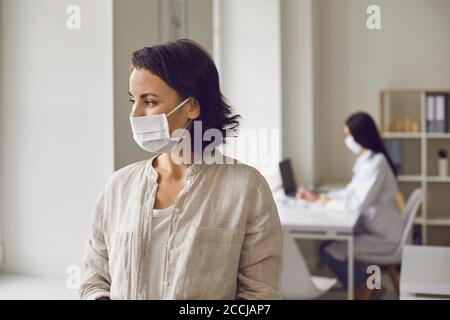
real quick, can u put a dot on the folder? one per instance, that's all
(441, 114)
(430, 113)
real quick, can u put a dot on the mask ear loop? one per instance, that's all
(178, 106)
(181, 137)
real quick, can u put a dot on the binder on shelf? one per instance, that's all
(430, 113)
(441, 114)
(437, 113)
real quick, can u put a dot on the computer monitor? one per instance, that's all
(287, 177)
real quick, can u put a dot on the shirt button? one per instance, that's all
(166, 283)
(177, 210)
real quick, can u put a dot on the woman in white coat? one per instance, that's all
(372, 191)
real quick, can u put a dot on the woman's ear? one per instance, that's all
(193, 109)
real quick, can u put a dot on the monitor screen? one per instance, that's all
(287, 177)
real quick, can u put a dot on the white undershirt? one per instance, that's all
(158, 242)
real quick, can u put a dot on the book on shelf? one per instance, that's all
(437, 113)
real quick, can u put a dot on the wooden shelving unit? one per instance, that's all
(419, 159)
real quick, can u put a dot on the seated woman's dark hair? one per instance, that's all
(189, 70)
(365, 132)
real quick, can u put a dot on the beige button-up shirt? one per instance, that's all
(225, 237)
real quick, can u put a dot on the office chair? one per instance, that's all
(392, 260)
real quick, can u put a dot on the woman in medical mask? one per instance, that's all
(188, 222)
(372, 191)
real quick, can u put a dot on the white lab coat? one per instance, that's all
(372, 191)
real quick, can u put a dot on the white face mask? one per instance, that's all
(353, 145)
(152, 133)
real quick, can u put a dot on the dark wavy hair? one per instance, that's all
(189, 70)
(365, 132)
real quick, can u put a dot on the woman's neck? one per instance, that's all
(363, 151)
(171, 164)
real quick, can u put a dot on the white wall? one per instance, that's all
(411, 50)
(250, 60)
(199, 22)
(298, 88)
(56, 130)
(298, 98)
(136, 25)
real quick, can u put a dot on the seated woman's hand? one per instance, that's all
(307, 195)
(323, 199)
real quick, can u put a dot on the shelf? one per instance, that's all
(409, 178)
(419, 220)
(438, 222)
(402, 135)
(438, 135)
(415, 135)
(407, 109)
(402, 90)
(432, 222)
(437, 179)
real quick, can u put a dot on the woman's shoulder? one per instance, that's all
(238, 176)
(378, 163)
(231, 167)
(379, 159)
(128, 173)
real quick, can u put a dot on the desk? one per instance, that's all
(425, 273)
(314, 222)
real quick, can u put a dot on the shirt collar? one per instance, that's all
(199, 162)
(362, 158)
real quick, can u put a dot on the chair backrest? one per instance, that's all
(409, 214)
(296, 282)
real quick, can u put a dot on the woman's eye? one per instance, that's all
(147, 102)
(150, 102)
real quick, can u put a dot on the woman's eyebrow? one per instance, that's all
(145, 95)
